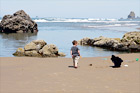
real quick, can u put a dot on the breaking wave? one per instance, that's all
(114, 25)
(81, 20)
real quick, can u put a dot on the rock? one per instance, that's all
(113, 42)
(20, 31)
(30, 46)
(131, 15)
(100, 43)
(49, 50)
(35, 45)
(61, 54)
(19, 52)
(134, 46)
(83, 41)
(32, 53)
(40, 43)
(118, 39)
(99, 38)
(90, 41)
(124, 48)
(45, 50)
(90, 64)
(22, 14)
(130, 41)
(39, 48)
(131, 36)
(53, 49)
(105, 42)
(18, 22)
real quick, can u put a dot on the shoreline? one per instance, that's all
(119, 54)
(56, 75)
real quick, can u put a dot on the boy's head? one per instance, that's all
(74, 42)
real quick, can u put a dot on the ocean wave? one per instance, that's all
(61, 20)
(130, 24)
(40, 20)
(96, 20)
(93, 20)
(114, 25)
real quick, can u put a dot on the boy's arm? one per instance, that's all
(79, 52)
(71, 53)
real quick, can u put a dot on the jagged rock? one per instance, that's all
(19, 52)
(18, 22)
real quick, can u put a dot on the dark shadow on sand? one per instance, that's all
(114, 66)
(71, 66)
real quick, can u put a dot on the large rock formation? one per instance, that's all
(39, 48)
(129, 42)
(131, 15)
(18, 22)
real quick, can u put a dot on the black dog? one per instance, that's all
(117, 61)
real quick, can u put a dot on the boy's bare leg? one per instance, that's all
(76, 61)
(73, 61)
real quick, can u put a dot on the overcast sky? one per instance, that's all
(72, 8)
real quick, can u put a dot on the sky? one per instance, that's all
(72, 8)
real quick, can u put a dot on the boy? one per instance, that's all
(75, 53)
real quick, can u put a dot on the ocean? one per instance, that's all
(62, 31)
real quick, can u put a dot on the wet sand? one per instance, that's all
(56, 75)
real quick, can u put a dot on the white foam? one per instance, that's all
(115, 25)
(40, 20)
(130, 24)
(97, 20)
(92, 19)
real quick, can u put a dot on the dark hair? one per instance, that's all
(74, 42)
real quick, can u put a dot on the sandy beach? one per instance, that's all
(56, 75)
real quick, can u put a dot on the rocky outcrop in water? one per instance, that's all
(39, 48)
(129, 42)
(131, 15)
(18, 22)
